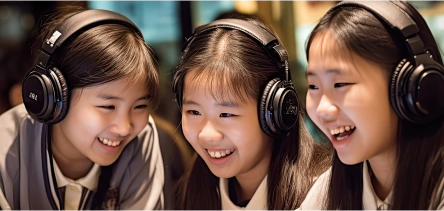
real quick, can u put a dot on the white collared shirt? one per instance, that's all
(257, 202)
(74, 188)
(371, 201)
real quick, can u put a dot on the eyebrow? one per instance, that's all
(113, 97)
(224, 103)
(331, 71)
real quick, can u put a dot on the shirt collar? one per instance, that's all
(370, 200)
(257, 202)
(89, 181)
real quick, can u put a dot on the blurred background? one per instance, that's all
(165, 25)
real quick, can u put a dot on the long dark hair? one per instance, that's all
(420, 148)
(101, 54)
(245, 68)
(97, 56)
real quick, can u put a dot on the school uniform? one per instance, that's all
(316, 197)
(257, 202)
(29, 183)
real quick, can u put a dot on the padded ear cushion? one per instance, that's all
(396, 87)
(265, 101)
(63, 92)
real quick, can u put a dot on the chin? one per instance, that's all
(221, 173)
(103, 162)
(349, 159)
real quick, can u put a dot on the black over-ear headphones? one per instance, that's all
(279, 105)
(417, 84)
(44, 90)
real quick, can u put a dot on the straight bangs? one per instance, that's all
(358, 31)
(329, 46)
(119, 54)
(223, 83)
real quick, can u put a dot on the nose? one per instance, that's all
(122, 125)
(327, 110)
(210, 133)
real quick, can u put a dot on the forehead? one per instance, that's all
(326, 52)
(327, 57)
(122, 87)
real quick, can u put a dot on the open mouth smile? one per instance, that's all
(109, 142)
(343, 132)
(219, 153)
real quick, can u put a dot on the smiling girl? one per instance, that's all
(241, 114)
(376, 83)
(84, 139)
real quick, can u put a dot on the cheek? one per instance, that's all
(85, 122)
(189, 130)
(139, 122)
(311, 106)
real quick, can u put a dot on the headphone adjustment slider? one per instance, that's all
(53, 38)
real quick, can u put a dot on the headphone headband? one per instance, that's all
(260, 34)
(265, 38)
(398, 20)
(76, 25)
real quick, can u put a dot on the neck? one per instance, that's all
(71, 162)
(248, 183)
(383, 169)
(246, 189)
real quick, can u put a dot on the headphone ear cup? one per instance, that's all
(285, 108)
(415, 91)
(63, 104)
(37, 94)
(278, 108)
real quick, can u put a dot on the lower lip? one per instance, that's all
(341, 144)
(219, 161)
(109, 148)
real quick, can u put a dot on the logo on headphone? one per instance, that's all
(33, 96)
(291, 109)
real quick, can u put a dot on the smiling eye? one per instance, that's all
(110, 107)
(193, 112)
(141, 106)
(310, 86)
(226, 115)
(338, 85)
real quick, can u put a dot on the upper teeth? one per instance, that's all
(219, 153)
(341, 129)
(109, 142)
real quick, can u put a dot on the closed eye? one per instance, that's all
(193, 112)
(226, 115)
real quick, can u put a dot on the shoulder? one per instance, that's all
(317, 194)
(15, 121)
(138, 173)
(14, 116)
(149, 133)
